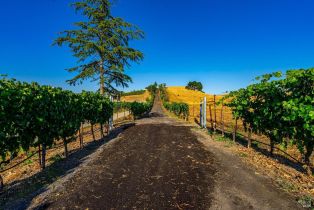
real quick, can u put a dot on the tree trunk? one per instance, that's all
(102, 131)
(1, 183)
(92, 130)
(102, 79)
(39, 155)
(249, 138)
(66, 152)
(307, 155)
(43, 156)
(235, 130)
(82, 128)
(81, 138)
(272, 145)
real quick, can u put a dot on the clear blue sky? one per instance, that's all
(222, 43)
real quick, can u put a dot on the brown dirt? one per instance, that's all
(143, 171)
(26, 180)
(241, 186)
(163, 164)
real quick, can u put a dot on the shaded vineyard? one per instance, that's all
(36, 116)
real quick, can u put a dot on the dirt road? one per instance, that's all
(161, 163)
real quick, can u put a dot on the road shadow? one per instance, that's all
(155, 114)
(261, 147)
(19, 194)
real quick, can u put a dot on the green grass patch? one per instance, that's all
(306, 201)
(287, 186)
(242, 154)
(255, 144)
(56, 158)
(29, 161)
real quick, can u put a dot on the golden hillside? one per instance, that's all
(137, 98)
(193, 99)
(181, 94)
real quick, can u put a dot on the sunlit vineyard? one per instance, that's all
(276, 108)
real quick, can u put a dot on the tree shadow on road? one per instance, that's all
(261, 147)
(19, 194)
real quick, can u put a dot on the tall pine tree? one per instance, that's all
(101, 44)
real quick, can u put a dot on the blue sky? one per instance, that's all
(222, 43)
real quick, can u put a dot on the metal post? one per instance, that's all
(204, 113)
(215, 118)
(201, 114)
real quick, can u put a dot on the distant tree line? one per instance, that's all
(134, 92)
(160, 89)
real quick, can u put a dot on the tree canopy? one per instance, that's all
(194, 85)
(101, 44)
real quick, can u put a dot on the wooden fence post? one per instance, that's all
(211, 117)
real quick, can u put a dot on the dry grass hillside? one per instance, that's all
(194, 98)
(181, 94)
(137, 98)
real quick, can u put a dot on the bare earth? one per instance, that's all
(161, 163)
